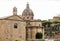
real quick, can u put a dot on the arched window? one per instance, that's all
(15, 25)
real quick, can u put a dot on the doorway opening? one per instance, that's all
(39, 35)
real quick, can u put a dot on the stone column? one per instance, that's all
(29, 33)
(43, 32)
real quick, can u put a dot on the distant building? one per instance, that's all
(55, 18)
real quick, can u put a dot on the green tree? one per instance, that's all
(48, 23)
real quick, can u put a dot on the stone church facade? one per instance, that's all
(23, 27)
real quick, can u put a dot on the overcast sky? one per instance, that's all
(43, 9)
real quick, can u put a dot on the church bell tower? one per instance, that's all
(14, 11)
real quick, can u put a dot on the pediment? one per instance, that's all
(16, 17)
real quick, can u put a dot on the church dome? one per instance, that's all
(27, 11)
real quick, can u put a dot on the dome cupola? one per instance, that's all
(28, 13)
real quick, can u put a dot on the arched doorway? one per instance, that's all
(39, 35)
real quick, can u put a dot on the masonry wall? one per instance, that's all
(9, 33)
